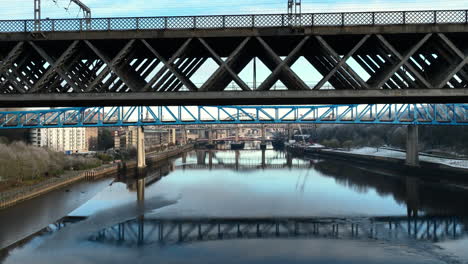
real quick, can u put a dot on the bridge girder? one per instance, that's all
(418, 67)
(398, 114)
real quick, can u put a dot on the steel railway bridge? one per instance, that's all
(363, 57)
(404, 114)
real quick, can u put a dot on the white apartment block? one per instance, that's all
(60, 139)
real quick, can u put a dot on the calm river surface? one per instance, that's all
(250, 206)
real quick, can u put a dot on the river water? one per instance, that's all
(254, 206)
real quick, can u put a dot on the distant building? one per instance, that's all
(126, 138)
(92, 134)
(61, 139)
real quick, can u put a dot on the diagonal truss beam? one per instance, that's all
(451, 73)
(7, 62)
(111, 65)
(283, 67)
(403, 61)
(225, 65)
(336, 57)
(60, 71)
(169, 65)
(170, 62)
(55, 67)
(341, 63)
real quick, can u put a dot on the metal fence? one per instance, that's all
(239, 21)
(19, 193)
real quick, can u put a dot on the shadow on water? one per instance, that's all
(435, 212)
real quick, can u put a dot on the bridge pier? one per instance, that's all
(184, 136)
(290, 132)
(289, 160)
(263, 145)
(201, 157)
(141, 155)
(172, 136)
(210, 136)
(412, 150)
(210, 159)
(263, 158)
(141, 183)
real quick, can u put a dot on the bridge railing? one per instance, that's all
(239, 21)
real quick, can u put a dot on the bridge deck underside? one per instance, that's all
(353, 68)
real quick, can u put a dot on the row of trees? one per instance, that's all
(445, 138)
(19, 162)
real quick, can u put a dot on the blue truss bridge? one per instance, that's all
(396, 114)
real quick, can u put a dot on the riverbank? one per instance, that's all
(453, 169)
(13, 197)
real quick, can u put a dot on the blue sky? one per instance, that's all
(14, 9)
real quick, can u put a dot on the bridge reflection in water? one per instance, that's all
(432, 213)
(166, 232)
(243, 160)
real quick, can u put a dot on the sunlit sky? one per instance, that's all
(22, 9)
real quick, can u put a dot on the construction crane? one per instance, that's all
(294, 12)
(37, 12)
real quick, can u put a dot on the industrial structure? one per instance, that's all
(362, 57)
(394, 114)
(398, 64)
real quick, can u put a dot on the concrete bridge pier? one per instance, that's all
(141, 183)
(201, 134)
(263, 158)
(412, 150)
(263, 145)
(290, 132)
(237, 133)
(289, 160)
(141, 155)
(237, 159)
(210, 139)
(201, 157)
(210, 159)
(210, 136)
(184, 136)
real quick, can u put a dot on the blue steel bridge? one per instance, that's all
(396, 114)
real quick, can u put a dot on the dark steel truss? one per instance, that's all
(393, 62)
